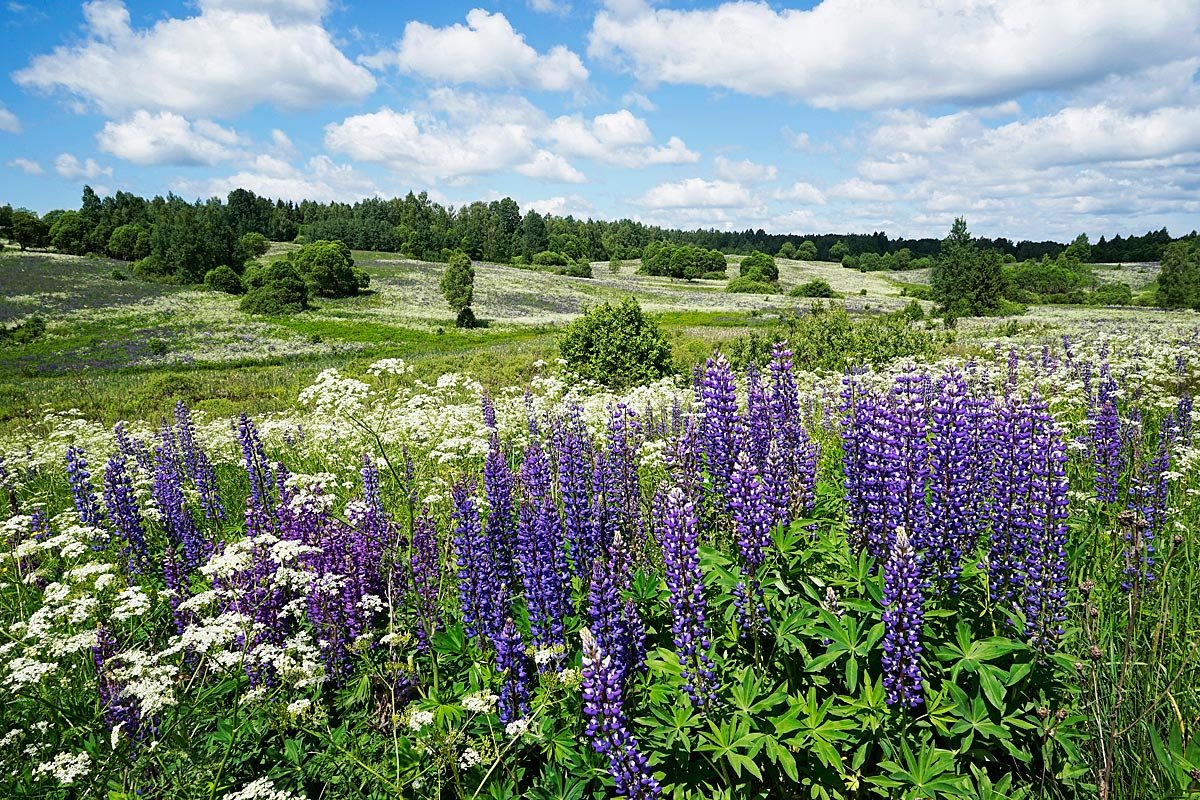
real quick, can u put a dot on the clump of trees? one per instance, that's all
(328, 269)
(616, 345)
(688, 262)
(275, 290)
(818, 287)
(806, 251)
(458, 287)
(897, 261)
(966, 280)
(224, 279)
(1179, 280)
(757, 274)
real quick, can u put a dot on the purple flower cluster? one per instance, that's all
(720, 430)
(903, 620)
(481, 594)
(513, 665)
(125, 515)
(752, 521)
(607, 726)
(1105, 437)
(118, 709)
(689, 625)
(540, 547)
(426, 565)
(82, 492)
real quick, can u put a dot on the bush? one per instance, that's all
(913, 311)
(223, 279)
(118, 275)
(580, 269)
(253, 245)
(616, 345)
(715, 275)
(153, 268)
(814, 288)
(547, 258)
(828, 338)
(746, 285)
(759, 266)
(32, 329)
(282, 291)
(466, 319)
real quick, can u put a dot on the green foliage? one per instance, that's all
(129, 243)
(29, 330)
(818, 287)
(758, 266)
(188, 240)
(680, 261)
(577, 269)
(715, 275)
(547, 258)
(787, 250)
(69, 234)
(828, 338)
(458, 282)
(1179, 280)
(897, 261)
(328, 269)
(466, 319)
(223, 279)
(839, 251)
(118, 274)
(28, 230)
(282, 291)
(253, 244)
(967, 281)
(616, 345)
(751, 285)
(807, 251)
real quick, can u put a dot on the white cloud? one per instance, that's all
(796, 140)
(321, 179)
(697, 193)
(486, 51)
(638, 100)
(456, 135)
(230, 57)
(551, 167)
(26, 166)
(620, 138)
(167, 138)
(71, 168)
(8, 121)
(896, 168)
(744, 171)
(801, 192)
(549, 6)
(562, 205)
(848, 53)
(858, 190)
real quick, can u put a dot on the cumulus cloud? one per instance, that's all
(697, 193)
(27, 166)
(167, 138)
(744, 171)
(232, 56)
(801, 192)
(847, 53)
(320, 179)
(457, 135)
(71, 168)
(8, 121)
(562, 205)
(861, 191)
(486, 51)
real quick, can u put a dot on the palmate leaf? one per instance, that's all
(808, 725)
(733, 741)
(929, 773)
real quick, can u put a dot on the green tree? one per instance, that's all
(253, 244)
(127, 241)
(533, 235)
(616, 345)
(1179, 280)
(839, 250)
(807, 251)
(787, 250)
(458, 282)
(685, 263)
(223, 279)
(759, 266)
(69, 233)
(966, 280)
(328, 269)
(1078, 251)
(28, 230)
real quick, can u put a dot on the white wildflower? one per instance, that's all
(65, 767)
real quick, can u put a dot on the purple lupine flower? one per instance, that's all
(255, 461)
(196, 463)
(573, 450)
(907, 458)
(426, 564)
(903, 619)
(685, 458)
(856, 416)
(1147, 507)
(175, 516)
(81, 487)
(179, 587)
(1045, 563)
(500, 528)
(372, 532)
(480, 589)
(133, 448)
(1010, 500)
(1105, 437)
(513, 665)
(624, 483)
(752, 517)
(543, 565)
(489, 409)
(758, 421)
(720, 428)
(616, 622)
(123, 511)
(951, 534)
(607, 726)
(679, 532)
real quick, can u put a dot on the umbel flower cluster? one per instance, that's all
(527, 563)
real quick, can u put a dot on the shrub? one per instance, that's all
(466, 319)
(223, 279)
(616, 345)
(282, 291)
(749, 285)
(118, 275)
(913, 311)
(129, 243)
(458, 281)
(546, 258)
(32, 329)
(253, 245)
(759, 266)
(814, 288)
(153, 268)
(254, 277)
(580, 269)
(715, 275)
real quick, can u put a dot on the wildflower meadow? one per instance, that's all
(968, 578)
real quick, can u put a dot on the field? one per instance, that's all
(358, 552)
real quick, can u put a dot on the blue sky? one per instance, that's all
(1033, 118)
